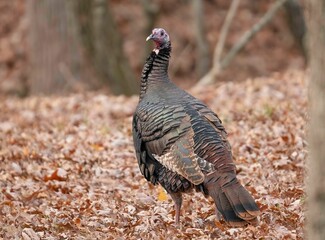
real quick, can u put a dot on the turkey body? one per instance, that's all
(181, 144)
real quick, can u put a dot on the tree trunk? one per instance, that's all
(104, 46)
(316, 181)
(55, 58)
(151, 12)
(203, 56)
(296, 22)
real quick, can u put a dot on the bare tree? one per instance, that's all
(151, 12)
(56, 64)
(316, 181)
(104, 46)
(203, 56)
(218, 63)
(296, 22)
(75, 45)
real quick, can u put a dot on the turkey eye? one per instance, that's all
(161, 33)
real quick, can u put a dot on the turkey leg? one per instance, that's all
(177, 198)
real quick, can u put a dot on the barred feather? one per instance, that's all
(181, 144)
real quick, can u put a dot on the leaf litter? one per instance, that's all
(68, 168)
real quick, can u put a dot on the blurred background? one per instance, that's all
(64, 46)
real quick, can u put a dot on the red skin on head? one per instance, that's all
(157, 40)
(160, 37)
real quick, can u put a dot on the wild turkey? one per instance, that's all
(181, 144)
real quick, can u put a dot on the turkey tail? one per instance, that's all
(232, 200)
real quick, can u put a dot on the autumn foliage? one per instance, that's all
(68, 168)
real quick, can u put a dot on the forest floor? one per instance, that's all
(68, 168)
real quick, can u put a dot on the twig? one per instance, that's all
(224, 31)
(251, 33)
(216, 66)
(209, 77)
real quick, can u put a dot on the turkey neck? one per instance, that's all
(155, 70)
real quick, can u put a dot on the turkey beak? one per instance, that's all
(149, 37)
